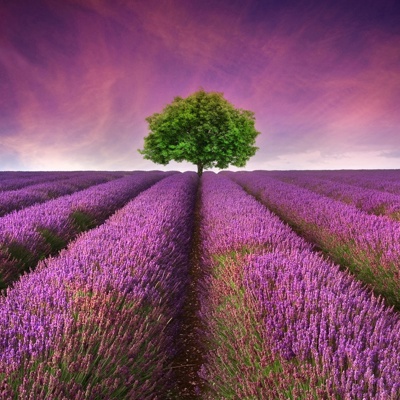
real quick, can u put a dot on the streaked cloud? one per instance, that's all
(81, 76)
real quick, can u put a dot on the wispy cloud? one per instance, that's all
(81, 77)
(391, 154)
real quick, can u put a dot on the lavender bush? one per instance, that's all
(367, 244)
(382, 180)
(369, 200)
(107, 318)
(18, 180)
(99, 321)
(17, 199)
(37, 231)
(282, 322)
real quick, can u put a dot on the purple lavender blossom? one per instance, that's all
(17, 199)
(312, 315)
(373, 201)
(99, 319)
(25, 235)
(367, 244)
(18, 180)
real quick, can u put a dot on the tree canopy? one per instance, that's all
(204, 129)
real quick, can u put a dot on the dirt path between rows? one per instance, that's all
(187, 363)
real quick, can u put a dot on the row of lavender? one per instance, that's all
(99, 321)
(43, 229)
(18, 180)
(372, 201)
(281, 322)
(368, 245)
(12, 200)
(382, 180)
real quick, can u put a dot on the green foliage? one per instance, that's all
(204, 129)
(56, 242)
(20, 253)
(82, 221)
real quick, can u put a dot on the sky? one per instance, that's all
(79, 77)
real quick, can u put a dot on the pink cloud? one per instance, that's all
(81, 76)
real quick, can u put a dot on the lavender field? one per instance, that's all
(236, 285)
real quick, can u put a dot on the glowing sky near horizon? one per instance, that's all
(79, 77)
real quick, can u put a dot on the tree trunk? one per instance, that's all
(199, 169)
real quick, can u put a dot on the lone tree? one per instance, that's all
(204, 129)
